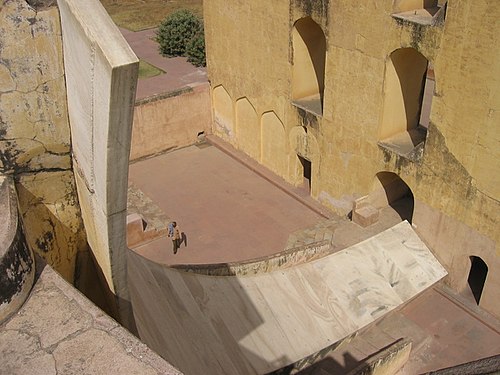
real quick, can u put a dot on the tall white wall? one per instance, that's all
(101, 76)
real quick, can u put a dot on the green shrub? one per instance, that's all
(176, 31)
(195, 50)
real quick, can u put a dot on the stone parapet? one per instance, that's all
(284, 259)
(16, 259)
(388, 361)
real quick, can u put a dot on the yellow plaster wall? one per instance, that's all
(247, 128)
(468, 104)
(274, 144)
(406, 5)
(35, 134)
(34, 131)
(171, 122)
(455, 180)
(223, 115)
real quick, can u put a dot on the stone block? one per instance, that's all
(135, 229)
(365, 216)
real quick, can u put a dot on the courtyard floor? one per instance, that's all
(232, 209)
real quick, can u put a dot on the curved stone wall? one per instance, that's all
(281, 260)
(260, 323)
(16, 260)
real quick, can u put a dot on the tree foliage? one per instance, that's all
(195, 50)
(181, 34)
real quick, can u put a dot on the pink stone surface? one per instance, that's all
(227, 211)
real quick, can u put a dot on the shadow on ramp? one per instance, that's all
(257, 324)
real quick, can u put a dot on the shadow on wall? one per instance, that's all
(54, 231)
(52, 220)
(398, 194)
(176, 314)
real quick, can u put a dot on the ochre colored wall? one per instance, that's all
(35, 134)
(248, 128)
(455, 181)
(406, 5)
(171, 122)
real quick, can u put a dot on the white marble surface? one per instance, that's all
(101, 77)
(256, 324)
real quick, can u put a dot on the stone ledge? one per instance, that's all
(59, 330)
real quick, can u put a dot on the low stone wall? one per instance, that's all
(16, 260)
(170, 121)
(284, 259)
(489, 365)
(386, 362)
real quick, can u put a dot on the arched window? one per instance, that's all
(308, 73)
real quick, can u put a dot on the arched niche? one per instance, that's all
(390, 190)
(274, 145)
(248, 128)
(404, 81)
(223, 114)
(405, 78)
(304, 159)
(308, 73)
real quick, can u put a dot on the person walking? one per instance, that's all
(176, 236)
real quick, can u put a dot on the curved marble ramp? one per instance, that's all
(260, 323)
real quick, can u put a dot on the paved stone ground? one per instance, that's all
(444, 332)
(59, 331)
(227, 211)
(179, 73)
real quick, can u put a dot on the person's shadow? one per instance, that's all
(183, 239)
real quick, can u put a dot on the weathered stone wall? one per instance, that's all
(17, 269)
(169, 122)
(35, 134)
(454, 178)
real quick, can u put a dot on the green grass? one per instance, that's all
(139, 15)
(147, 70)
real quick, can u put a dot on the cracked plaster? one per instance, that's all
(34, 129)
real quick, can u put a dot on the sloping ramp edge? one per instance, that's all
(257, 324)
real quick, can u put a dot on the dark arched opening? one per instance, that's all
(398, 194)
(477, 277)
